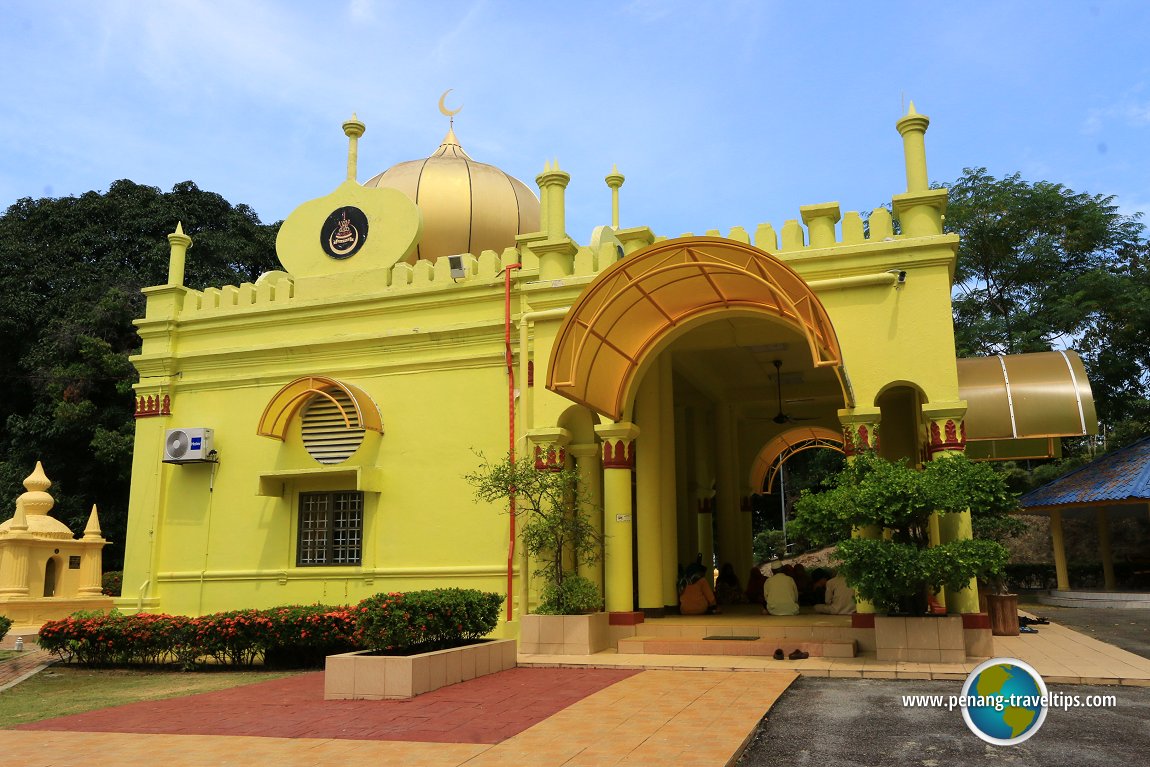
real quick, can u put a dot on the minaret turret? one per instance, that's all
(912, 126)
(353, 129)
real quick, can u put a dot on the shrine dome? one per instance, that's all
(467, 206)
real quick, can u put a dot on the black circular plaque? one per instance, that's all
(344, 232)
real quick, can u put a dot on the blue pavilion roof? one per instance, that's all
(1123, 475)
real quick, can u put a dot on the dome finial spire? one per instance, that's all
(448, 113)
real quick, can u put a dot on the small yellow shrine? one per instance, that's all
(304, 438)
(44, 572)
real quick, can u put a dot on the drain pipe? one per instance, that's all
(140, 595)
(510, 432)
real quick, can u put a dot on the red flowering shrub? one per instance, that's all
(283, 636)
(426, 620)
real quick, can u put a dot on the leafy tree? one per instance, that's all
(897, 569)
(556, 532)
(71, 270)
(1042, 267)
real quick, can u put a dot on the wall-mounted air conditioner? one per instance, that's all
(189, 446)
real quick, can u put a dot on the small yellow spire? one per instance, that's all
(179, 243)
(19, 519)
(353, 129)
(92, 530)
(912, 127)
(36, 500)
(614, 180)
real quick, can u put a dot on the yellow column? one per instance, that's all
(667, 492)
(1061, 571)
(706, 524)
(552, 186)
(727, 495)
(648, 493)
(618, 463)
(91, 562)
(353, 129)
(947, 437)
(591, 491)
(861, 433)
(178, 254)
(1104, 549)
(14, 556)
(614, 180)
(686, 524)
(912, 127)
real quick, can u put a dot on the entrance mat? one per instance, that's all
(736, 638)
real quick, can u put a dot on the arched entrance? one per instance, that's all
(701, 350)
(50, 577)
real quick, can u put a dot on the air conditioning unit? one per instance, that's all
(189, 446)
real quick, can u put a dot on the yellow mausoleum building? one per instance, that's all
(304, 438)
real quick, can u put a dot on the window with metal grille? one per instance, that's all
(330, 528)
(326, 435)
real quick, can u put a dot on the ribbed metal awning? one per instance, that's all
(1019, 396)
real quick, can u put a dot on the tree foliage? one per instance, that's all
(555, 531)
(71, 270)
(873, 493)
(1042, 267)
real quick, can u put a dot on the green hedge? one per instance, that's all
(1083, 575)
(295, 636)
(5, 624)
(113, 583)
(419, 621)
(292, 636)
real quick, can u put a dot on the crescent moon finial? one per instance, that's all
(448, 113)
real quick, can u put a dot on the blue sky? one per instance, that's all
(719, 114)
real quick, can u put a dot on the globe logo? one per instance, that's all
(1004, 701)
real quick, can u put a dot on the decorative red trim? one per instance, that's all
(151, 406)
(554, 460)
(862, 620)
(976, 621)
(618, 454)
(629, 618)
(954, 439)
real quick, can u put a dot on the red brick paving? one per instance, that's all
(489, 709)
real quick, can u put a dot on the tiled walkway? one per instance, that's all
(678, 710)
(699, 719)
(14, 670)
(488, 710)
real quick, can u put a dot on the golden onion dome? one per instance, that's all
(467, 206)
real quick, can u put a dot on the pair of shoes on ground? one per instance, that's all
(796, 655)
(1027, 630)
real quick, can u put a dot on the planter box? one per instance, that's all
(564, 634)
(362, 676)
(928, 639)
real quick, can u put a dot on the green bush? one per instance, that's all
(419, 621)
(5, 624)
(113, 583)
(573, 596)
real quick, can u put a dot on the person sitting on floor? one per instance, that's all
(698, 598)
(781, 594)
(728, 590)
(840, 598)
(756, 579)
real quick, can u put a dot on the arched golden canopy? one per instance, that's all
(778, 450)
(288, 400)
(636, 302)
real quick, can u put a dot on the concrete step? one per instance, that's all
(760, 646)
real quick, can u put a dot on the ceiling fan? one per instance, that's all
(782, 418)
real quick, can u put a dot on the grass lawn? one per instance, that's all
(62, 690)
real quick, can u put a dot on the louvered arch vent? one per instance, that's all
(326, 436)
